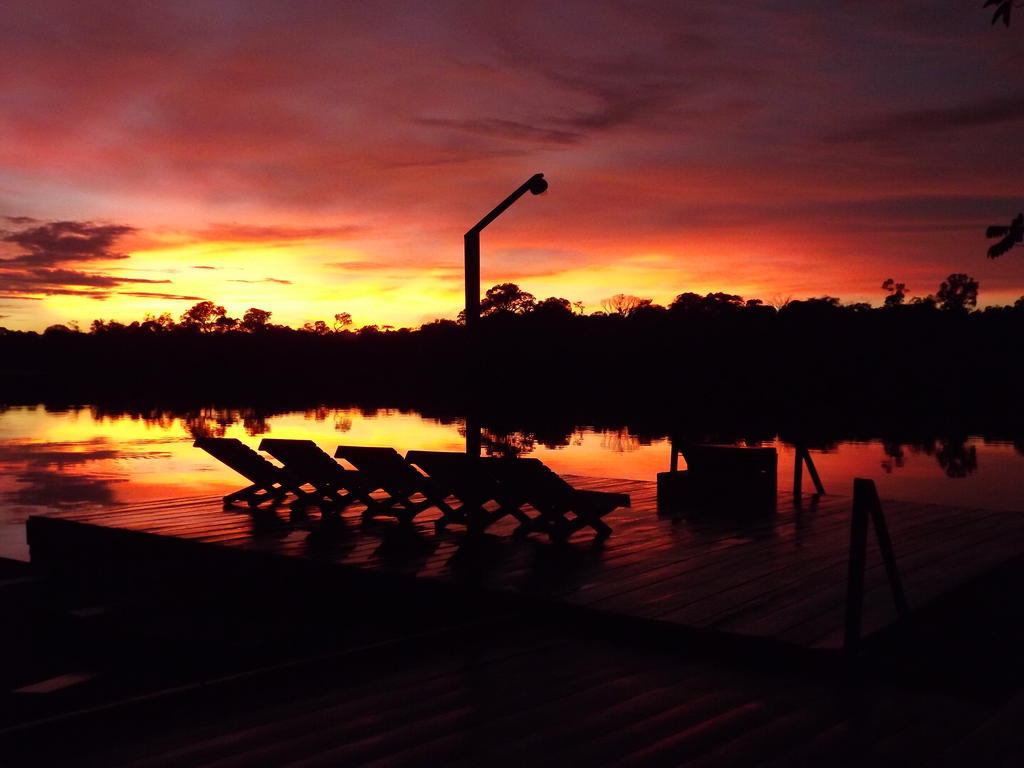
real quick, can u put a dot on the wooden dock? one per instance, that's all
(779, 578)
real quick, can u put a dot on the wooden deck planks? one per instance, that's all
(925, 547)
(779, 576)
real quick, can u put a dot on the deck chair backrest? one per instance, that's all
(442, 462)
(380, 465)
(240, 457)
(540, 478)
(459, 471)
(526, 475)
(303, 456)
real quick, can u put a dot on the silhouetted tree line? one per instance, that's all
(931, 359)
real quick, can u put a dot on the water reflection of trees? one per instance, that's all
(515, 442)
(954, 455)
(214, 421)
(512, 442)
(498, 443)
(510, 436)
(620, 441)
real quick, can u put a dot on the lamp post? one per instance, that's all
(535, 185)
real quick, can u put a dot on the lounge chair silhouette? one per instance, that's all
(465, 477)
(562, 509)
(336, 486)
(384, 469)
(269, 482)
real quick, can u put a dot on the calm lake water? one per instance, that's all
(59, 459)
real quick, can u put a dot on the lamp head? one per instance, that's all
(536, 184)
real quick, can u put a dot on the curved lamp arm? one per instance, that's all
(536, 184)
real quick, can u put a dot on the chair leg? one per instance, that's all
(462, 515)
(506, 508)
(255, 499)
(241, 494)
(564, 527)
(592, 517)
(254, 495)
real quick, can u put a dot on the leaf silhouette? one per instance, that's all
(1003, 8)
(1011, 235)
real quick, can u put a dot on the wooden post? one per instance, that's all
(803, 458)
(867, 506)
(855, 569)
(870, 492)
(472, 242)
(798, 473)
(813, 471)
(472, 269)
(472, 436)
(673, 465)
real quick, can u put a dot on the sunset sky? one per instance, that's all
(317, 157)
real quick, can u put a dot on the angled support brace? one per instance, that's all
(803, 458)
(867, 507)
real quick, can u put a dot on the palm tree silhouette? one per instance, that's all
(1011, 235)
(1003, 8)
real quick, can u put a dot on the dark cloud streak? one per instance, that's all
(264, 280)
(58, 242)
(506, 129)
(985, 113)
(246, 233)
(33, 273)
(169, 296)
(42, 276)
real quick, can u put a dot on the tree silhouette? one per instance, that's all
(507, 297)
(957, 293)
(624, 304)
(342, 320)
(223, 324)
(712, 303)
(203, 316)
(553, 306)
(255, 319)
(897, 292)
(688, 301)
(157, 323)
(319, 327)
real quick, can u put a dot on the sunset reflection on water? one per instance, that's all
(70, 458)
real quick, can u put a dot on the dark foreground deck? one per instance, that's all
(778, 578)
(514, 690)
